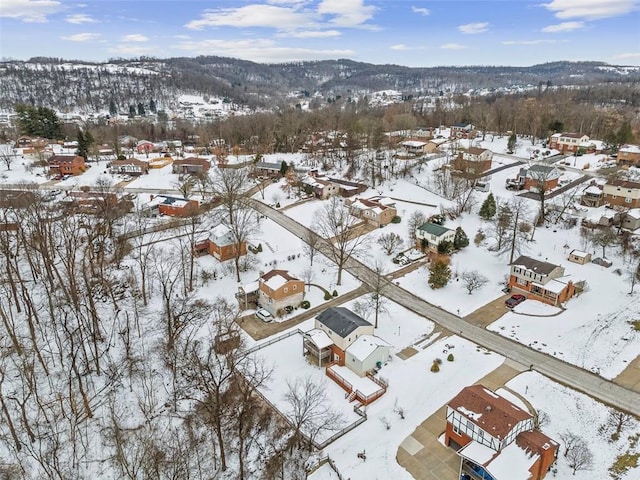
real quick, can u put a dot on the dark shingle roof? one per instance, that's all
(341, 320)
(543, 268)
(433, 229)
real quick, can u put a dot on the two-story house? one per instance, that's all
(474, 160)
(621, 193)
(321, 187)
(278, 290)
(462, 130)
(60, 165)
(567, 142)
(538, 177)
(540, 281)
(429, 235)
(377, 211)
(629, 155)
(221, 244)
(592, 195)
(495, 438)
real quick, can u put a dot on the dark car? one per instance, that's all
(514, 300)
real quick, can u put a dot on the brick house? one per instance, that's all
(536, 175)
(342, 327)
(540, 281)
(495, 438)
(321, 187)
(172, 206)
(221, 244)
(629, 155)
(278, 290)
(377, 211)
(621, 193)
(568, 142)
(60, 165)
(462, 130)
(130, 166)
(474, 160)
(592, 196)
(145, 146)
(191, 165)
(429, 235)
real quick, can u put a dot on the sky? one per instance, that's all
(414, 33)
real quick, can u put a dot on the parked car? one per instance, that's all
(514, 300)
(264, 315)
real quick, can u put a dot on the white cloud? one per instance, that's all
(420, 11)
(32, 11)
(528, 42)
(471, 28)
(259, 50)
(82, 37)
(311, 34)
(400, 46)
(590, 9)
(132, 50)
(135, 37)
(348, 13)
(79, 18)
(253, 16)
(564, 27)
(627, 56)
(453, 46)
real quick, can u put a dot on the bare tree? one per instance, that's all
(416, 219)
(242, 225)
(473, 280)
(228, 185)
(309, 411)
(634, 276)
(307, 276)
(335, 224)
(7, 154)
(604, 237)
(616, 422)
(390, 242)
(579, 457)
(311, 244)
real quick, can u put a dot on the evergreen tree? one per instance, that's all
(152, 106)
(39, 122)
(85, 141)
(624, 134)
(445, 247)
(283, 168)
(511, 143)
(132, 111)
(141, 109)
(439, 273)
(113, 108)
(488, 208)
(460, 240)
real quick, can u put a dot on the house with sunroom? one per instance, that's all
(495, 438)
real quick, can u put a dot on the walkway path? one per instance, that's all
(554, 368)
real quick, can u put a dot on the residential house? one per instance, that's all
(462, 130)
(414, 147)
(60, 165)
(579, 257)
(377, 211)
(622, 193)
(130, 166)
(145, 146)
(191, 165)
(321, 187)
(16, 198)
(223, 245)
(631, 219)
(343, 327)
(366, 354)
(267, 169)
(629, 155)
(435, 143)
(429, 235)
(539, 176)
(592, 195)
(278, 290)
(422, 132)
(540, 281)
(568, 142)
(495, 438)
(172, 206)
(474, 161)
(91, 201)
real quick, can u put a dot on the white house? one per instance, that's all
(367, 353)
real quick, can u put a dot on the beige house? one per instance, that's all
(430, 235)
(622, 193)
(542, 281)
(377, 211)
(278, 290)
(474, 160)
(629, 155)
(580, 257)
(568, 142)
(322, 188)
(631, 219)
(367, 353)
(342, 327)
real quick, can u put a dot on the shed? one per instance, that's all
(367, 353)
(580, 257)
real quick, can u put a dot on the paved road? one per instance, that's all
(565, 373)
(555, 193)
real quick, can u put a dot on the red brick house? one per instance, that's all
(533, 177)
(462, 130)
(629, 155)
(60, 165)
(191, 165)
(494, 437)
(474, 160)
(221, 244)
(145, 146)
(173, 206)
(621, 193)
(278, 290)
(569, 142)
(540, 281)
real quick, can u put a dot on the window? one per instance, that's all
(627, 200)
(521, 281)
(456, 430)
(295, 287)
(470, 425)
(286, 289)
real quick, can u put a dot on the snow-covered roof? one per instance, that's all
(319, 338)
(552, 285)
(628, 148)
(634, 213)
(593, 190)
(221, 235)
(579, 253)
(477, 453)
(413, 143)
(513, 463)
(275, 279)
(365, 345)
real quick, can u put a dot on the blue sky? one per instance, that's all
(405, 32)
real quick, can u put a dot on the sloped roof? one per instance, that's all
(341, 320)
(623, 184)
(276, 278)
(434, 229)
(543, 268)
(365, 345)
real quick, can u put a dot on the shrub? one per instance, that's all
(278, 205)
(335, 293)
(327, 296)
(288, 309)
(396, 219)
(438, 361)
(435, 368)
(259, 249)
(450, 357)
(479, 238)
(305, 304)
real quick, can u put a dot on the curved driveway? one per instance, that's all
(562, 372)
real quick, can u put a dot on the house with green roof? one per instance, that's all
(429, 235)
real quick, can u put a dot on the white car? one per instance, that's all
(264, 315)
